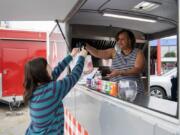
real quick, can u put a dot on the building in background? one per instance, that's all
(168, 54)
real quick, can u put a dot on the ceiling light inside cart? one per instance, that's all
(129, 17)
(146, 6)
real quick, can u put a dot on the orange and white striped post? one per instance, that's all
(72, 126)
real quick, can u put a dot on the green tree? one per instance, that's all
(170, 54)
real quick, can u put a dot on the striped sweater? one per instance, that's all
(46, 107)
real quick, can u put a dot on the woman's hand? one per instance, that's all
(114, 73)
(74, 51)
(88, 47)
(83, 52)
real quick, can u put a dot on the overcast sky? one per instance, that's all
(45, 26)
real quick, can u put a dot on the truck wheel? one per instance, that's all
(158, 92)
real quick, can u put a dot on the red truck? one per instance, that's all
(16, 48)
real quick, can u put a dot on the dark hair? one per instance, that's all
(130, 35)
(35, 73)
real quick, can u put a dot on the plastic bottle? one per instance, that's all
(98, 75)
(114, 90)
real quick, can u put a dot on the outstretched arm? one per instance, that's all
(63, 64)
(65, 85)
(103, 54)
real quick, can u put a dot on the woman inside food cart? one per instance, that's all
(127, 61)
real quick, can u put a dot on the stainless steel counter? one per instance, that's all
(101, 114)
(161, 105)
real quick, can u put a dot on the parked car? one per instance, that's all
(160, 86)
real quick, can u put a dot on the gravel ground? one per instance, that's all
(13, 123)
